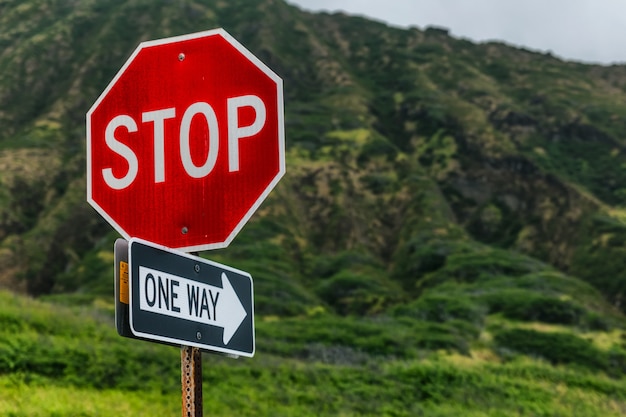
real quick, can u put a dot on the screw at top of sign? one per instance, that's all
(181, 56)
(184, 230)
(196, 268)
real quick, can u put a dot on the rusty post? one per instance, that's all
(191, 380)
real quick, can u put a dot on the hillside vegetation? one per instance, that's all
(449, 238)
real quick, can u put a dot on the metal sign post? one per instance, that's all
(191, 380)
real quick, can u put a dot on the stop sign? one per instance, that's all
(186, 141)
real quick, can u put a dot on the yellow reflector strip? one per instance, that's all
(124, 282)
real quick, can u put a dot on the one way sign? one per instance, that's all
(183, 299)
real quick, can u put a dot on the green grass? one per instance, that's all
(433, 357)
(439, 387)
(21, 397)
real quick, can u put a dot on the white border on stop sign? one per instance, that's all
(281, 130)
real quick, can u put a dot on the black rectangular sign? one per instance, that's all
(177, 298)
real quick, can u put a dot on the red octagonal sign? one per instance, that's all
(186, 142)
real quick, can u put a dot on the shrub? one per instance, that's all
(481, 263)
(441, 308)
(356, 292)
(531, 306)
(555, 347)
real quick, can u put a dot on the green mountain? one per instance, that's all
(448, 239)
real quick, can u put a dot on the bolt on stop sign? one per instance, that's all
(186, 141)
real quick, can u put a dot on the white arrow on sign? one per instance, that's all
(171, 295)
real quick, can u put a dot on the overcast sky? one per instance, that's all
(580, 30)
